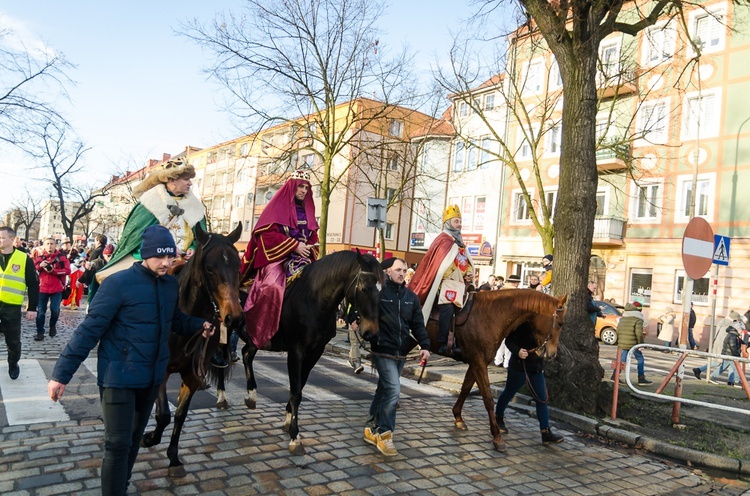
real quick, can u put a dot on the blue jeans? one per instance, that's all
(54, 300)
(638, 358)
(125, 413)
(383, 408)
(725, 365)
(516, 379)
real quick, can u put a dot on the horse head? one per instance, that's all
(364, 294)
(548, 325)
(216, 269)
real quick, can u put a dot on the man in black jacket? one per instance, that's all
(400, 313)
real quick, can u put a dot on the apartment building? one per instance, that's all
(667, 120)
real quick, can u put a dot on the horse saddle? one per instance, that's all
(460, 317)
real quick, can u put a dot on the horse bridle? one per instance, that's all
(356, 281)
(543, 346)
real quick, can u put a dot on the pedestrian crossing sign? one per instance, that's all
(721, 249)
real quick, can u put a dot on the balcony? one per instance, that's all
(609, 231)
(615, 81)
(613, 157)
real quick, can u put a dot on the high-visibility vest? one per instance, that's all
(13, 279)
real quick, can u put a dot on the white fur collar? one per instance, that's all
(156, 200)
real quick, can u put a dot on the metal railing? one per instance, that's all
(608, 228)
(681, 373)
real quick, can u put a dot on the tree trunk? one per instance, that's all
(575, 376)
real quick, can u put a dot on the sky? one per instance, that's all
(140, 90)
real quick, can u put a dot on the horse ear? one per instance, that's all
(234, 236)
(562, 300)
(200, 234)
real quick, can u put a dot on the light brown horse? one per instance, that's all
(488, 319)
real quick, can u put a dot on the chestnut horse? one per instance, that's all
(308, 322)
(488, 319)
(209, 288)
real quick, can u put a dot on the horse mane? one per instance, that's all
(323, 277)
(529, 300)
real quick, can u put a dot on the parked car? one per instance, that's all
(605, 328)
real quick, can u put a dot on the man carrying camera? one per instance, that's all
(53, 268)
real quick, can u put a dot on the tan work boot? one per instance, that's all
(371, 436)
(385, 444)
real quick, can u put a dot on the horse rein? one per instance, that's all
(543, 347)
(552, 326)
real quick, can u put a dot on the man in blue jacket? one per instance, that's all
(130, 319)
(400, 312)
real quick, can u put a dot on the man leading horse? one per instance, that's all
(283, 242)
(442, 277)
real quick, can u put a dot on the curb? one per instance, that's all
(605, 428)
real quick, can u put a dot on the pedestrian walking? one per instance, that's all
(400, 313)
(18, 276)
(666, 332)
(131, 320)
(630, 333)
(53, 268)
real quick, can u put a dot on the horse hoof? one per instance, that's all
(499, 445)
(460, 424)
(148, 440)
(296, 448)
(250, 404)
(222, 405)
(177, 471)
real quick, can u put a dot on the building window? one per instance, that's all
(308, 161)
(701, 114)
(480, 203)
(489, 102)
(395, 128)
(602, 202)
(393, 163)
(700, 289)
(425, 158)
(609, 56)
(463, 109)
(532, 85)
(640, 286)
(244, 149)
(485, 157)
(646, 202)
(555, 78)
(658, 44)
(247, 225)
(471, 162)
(316, 191)
(389, 194)
(388, 230)
(653, 122)
(238, 201)
(249, 198)
(707, 29)
(550, 196)
(703, 198)
(553, 140)
(458, 156)
(519, 208)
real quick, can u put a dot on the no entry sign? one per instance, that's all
(697, 247)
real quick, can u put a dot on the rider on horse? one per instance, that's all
(441, 276)
(283, 242)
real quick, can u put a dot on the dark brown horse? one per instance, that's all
(308, 322)
(492, 317)
(209, 288)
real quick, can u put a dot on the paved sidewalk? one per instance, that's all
(448, 374)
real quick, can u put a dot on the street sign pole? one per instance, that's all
(713, 317)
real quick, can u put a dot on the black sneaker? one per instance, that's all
(39, 337)
(548, 437)
(13, 371)
(501, 424)
(642, 381)
(52, 331)
(697, 373)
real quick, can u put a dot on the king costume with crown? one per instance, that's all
(447, 258)
(286, 227)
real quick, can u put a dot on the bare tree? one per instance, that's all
(317, 66)
(573, 31)
(60, 156)
(26, 211)
(31, 79)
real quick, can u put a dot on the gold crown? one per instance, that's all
(300, 174)
(451, 212)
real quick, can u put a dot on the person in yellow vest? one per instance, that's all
(17, 276)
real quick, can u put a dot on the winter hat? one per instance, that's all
(548, 257)
(734, 315)
(177, 168)
(387, 263)
(157, 242)
(108, 250)
(638, 305)
(629, 307)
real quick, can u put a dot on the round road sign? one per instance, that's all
(697, 247)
